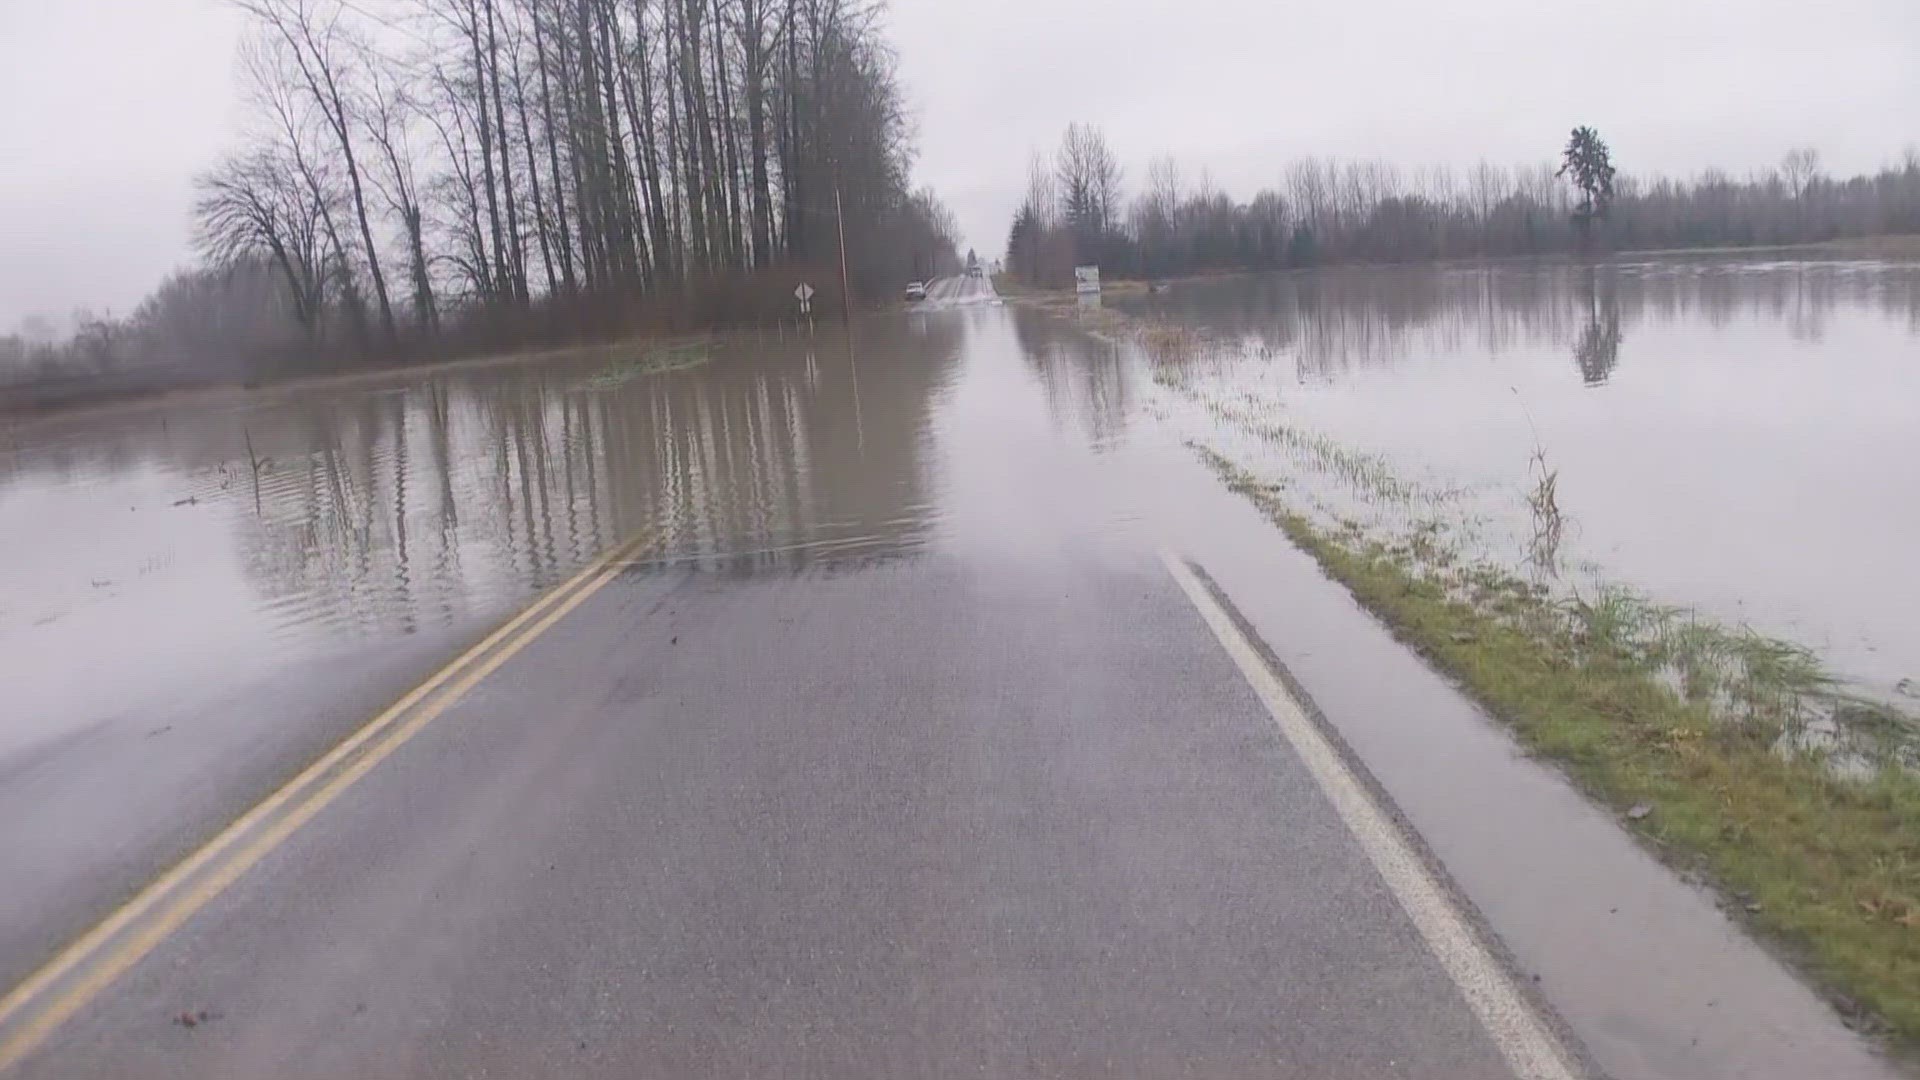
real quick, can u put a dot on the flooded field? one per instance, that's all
(1735, 438)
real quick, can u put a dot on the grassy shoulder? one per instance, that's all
(1825, 861)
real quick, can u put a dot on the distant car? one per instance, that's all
(916, 290)
(976, 271)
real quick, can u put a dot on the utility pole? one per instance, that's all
(840, 223)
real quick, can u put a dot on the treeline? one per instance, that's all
(200, 325)
(1324, 211)
(438, 175)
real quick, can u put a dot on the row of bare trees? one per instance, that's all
(1327, 211)
(432, 177)
(467, 159)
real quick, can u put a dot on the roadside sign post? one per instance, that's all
(803, 292)
(840, 226)
(1086, 285)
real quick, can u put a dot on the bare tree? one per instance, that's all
(309, 32)
(756, 32)
(516, 259)
(1800, 168)
(562, 230)
(1801, 171)
(1043, 200)
(1089, 178)
(632, 145)
(256, 205)
(1310, 189)
(388, 111)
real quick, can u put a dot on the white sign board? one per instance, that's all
(803, 292)
(1086, 279)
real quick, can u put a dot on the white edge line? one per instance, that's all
(1530, 1047)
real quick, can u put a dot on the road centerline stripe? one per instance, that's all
(203, 875)
(1529, 1045)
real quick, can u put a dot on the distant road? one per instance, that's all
(958, 291)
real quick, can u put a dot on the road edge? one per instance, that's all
(34, 1008)
(1533, 1038)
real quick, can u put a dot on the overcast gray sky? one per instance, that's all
(108, 107)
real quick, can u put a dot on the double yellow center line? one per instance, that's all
(53, 994)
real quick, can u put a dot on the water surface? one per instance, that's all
(166, 553)
(1734, 436)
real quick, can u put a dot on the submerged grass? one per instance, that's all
(1724, 743)
(652, 362)
(1368, 476)
(1363, 472)
(1166, 344)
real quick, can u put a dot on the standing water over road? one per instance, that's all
(157, 555)
(1732, 436)
(200, 598)
(145, 546)
(1736, 437)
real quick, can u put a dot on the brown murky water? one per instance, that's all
(1732, 436)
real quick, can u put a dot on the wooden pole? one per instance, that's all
(840, 223)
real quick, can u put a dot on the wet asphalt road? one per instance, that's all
(1007, 813)
(952, 781)
(916, 819)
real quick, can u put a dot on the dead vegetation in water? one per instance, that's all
(1166, 344)
(1549, 524)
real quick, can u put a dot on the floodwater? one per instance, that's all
(1725, 434)
(1735, 437)
(151, 553)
